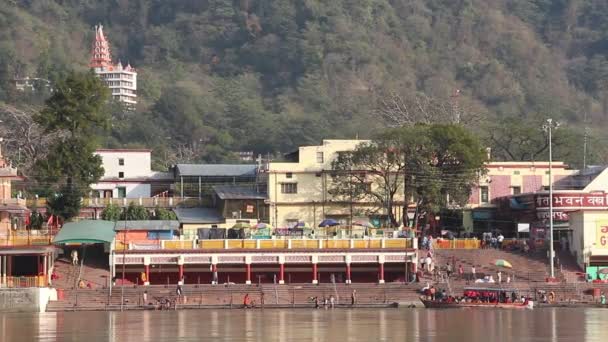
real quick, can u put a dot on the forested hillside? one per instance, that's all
(267, 75)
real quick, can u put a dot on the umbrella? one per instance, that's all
(365, 224)
(329, 222)
(603, 271)
(240, 225)
(301, 224)
(502, 263)
(262, 225)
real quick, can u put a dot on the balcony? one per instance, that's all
(148, 202)
(13, 201)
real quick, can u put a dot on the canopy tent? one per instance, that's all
(86, 231)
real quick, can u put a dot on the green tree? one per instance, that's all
(164, 214)
(438, 164)
(135, 212)
(76, 111)
(112, 212)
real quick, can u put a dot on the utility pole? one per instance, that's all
(551, 257)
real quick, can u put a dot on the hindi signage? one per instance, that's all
(573, 201)
(557, 215)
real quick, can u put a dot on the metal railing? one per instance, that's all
(272, 244)
(149, 202)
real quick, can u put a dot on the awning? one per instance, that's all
(86, 231)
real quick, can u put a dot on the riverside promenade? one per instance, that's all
(528, 275)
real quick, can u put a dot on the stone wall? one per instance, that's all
(26, 300)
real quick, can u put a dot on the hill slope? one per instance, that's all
(269, 75)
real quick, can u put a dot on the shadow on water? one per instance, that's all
(551, 324)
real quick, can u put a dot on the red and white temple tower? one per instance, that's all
(122, 80)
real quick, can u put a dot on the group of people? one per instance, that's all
(325, 302)
(490, 240)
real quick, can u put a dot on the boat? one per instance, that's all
(440, 304)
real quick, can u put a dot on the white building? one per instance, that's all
(128, 174)
(122, 80)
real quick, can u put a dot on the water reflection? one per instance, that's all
(309, 325)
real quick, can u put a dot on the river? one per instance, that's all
(550, 324)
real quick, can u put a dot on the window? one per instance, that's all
(484, 194)
(288, 175)
(121, 161)
(289, 188)
(516, 190)
(318, 174)
(547, 172)
(516, 173)
(320, 157)
(363, 188)
(121, 174)
(122, 192)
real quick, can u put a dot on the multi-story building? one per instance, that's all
(122, 80)
(128, 174)
(504, 179)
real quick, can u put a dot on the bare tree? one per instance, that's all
(398, 110)
(24, 142)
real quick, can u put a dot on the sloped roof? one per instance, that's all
(232, 192)
(216, 170)
(146, 225)
(86, 231)
(198, 215)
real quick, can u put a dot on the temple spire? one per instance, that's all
(100, 50)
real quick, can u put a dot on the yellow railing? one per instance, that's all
(457, 244)
(178, 244)
(271, 244)
(26, 241)
(31, 281)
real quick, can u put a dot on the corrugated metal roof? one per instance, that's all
(233, 192)
(198, 215)
(147, 225)
(216, 170)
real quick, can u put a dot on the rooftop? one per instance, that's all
(198, 215)
(146, 225)
(216, 170)
(232, 192)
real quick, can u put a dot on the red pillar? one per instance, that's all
(281, 273)
(381, 273)
(314, 274)
(181, 272)
(147, 270)
(248, 271)
(348, 279)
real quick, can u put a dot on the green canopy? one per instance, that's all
(87, 231)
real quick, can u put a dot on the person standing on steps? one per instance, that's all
(473, 276)
(353, 298)
(74, 255)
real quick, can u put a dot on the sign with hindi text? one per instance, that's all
(601, 237)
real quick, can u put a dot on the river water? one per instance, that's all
(340, 325)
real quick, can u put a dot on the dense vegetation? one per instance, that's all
(228, 75)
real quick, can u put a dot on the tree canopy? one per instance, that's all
(75, 111)
(437, 163)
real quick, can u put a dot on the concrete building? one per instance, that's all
(128, 174)
(504, 179)
(298, 188)
(122, 80)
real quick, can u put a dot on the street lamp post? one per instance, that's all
(551, 252)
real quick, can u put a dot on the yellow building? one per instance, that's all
(299, 189)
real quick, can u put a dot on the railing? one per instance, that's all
(22, 282)
(149, 202)
(27, 238)
(457, 244)
(272, 244)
